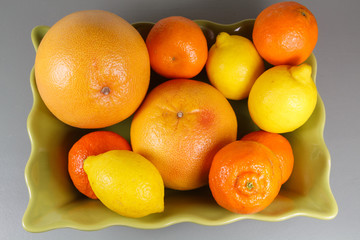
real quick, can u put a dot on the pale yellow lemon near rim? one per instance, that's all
(126, 183)
(233, 65)
(283, 98)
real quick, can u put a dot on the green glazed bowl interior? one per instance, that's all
(55, 203)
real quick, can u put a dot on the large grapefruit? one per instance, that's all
(92, 69)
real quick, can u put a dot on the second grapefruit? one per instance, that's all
(179, 128)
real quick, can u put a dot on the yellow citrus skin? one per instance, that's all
(233, 65)
(126, 183)
(283, 98)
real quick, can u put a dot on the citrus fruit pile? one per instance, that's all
(93, 70)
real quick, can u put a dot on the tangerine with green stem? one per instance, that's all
(243, 178)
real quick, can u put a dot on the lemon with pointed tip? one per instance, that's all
(126, 183)
(233, 65)
(283, 98)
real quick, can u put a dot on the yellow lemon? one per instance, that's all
(283, 98)
(233, 65)
(126, 183)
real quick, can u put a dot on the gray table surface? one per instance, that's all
(337, 52)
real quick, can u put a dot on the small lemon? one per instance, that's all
(233, 65)
(283, 98)
(126, 183)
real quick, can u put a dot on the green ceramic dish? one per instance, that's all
(55, 203)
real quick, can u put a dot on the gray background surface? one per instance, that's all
(337, 53)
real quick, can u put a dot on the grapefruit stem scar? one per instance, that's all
(180, 114)
(105, 90)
